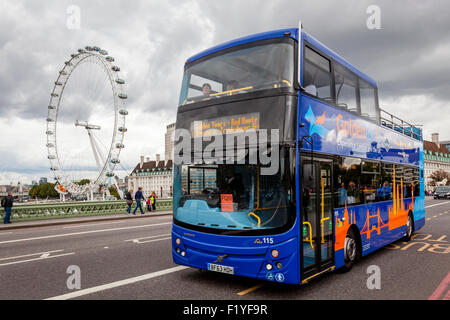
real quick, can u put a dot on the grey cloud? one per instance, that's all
(150, 40)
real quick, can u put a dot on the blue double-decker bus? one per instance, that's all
(285, 167)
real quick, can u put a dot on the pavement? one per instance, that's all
(76, 220)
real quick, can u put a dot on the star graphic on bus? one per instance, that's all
(316, 124)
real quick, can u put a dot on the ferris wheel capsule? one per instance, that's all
(54, 168)
(50, 119)
(123, 129)
(110, 174)
(110, 59)
(51, 157)
(123, 112)
(115, 161)
(51, 107)
(63, 73)
(49, 145)
(115, 68)
(81, 50)
(54, 95)
(58, 83)
(68, 63)
(88, 48)
(122, 96)
(103, 52)
(120, 145)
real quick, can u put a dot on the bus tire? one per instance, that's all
(409, 227)
(351, 251)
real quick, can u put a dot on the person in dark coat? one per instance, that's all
(129, 198)
(139, 197)
(8, 203)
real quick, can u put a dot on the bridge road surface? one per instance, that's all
(131, 259)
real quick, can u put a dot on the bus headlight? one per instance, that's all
(269, 267)
(178, 241)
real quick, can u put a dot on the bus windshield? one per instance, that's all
(239, 70)
(230, 197)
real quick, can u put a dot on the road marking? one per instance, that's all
(84, 232)
(36, 259)
(438, 204)
(31, 254)
(91, 224)
(116, 284)
(428, 219)
(441, 289)
(139, 240)
(250, 289)
(434, 216)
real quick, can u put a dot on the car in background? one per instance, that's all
(442, 192)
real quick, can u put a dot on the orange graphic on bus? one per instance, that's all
(397, 216)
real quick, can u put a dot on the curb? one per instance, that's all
(47, 223)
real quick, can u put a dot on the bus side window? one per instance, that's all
(368, 100)
(317, 75)
(346, 86)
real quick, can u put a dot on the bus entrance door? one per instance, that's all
(317, 251)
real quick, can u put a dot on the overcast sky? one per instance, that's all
(150, 40)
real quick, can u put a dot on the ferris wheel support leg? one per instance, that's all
(118, 190)
(93, 145)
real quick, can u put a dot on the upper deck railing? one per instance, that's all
(390, 121)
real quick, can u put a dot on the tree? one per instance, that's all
(113, 192)
(82, 182)
(45, 190)
(34, 191)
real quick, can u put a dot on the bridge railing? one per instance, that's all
(21, 212)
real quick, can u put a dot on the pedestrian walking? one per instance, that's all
(129, 199)
(139, 197)
(7, 203)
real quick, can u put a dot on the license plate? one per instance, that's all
(220, 268)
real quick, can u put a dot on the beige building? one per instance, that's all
(152, 176)
(436, 157)
(155, 175)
